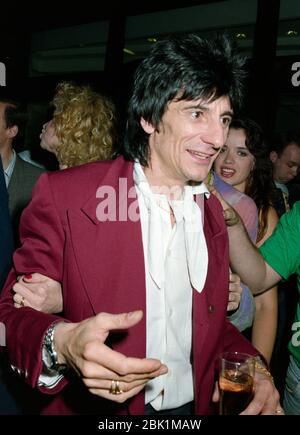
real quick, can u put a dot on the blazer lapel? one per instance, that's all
(109, 253)
(204, 303)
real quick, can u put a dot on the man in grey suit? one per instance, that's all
(6, 240)
(20, 176)
(18, 179)
(8, 403)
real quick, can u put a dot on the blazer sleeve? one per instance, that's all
(235, 341)
(41, 234)
(42, 237)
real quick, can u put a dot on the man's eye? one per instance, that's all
(226, 121)
(196, 114)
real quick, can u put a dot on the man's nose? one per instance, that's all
(294, 171)
(216, 134)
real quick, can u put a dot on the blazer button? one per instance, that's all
(211, 309)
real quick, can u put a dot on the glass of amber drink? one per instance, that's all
(235, 382)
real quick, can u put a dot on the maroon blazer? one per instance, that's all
(101, 268)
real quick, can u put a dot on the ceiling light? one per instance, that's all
(240, 35)
(127, 51)
(291, 33)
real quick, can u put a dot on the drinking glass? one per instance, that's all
(235, 382)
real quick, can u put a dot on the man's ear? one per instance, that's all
(147, 127)
(273, 156)
(12, 131)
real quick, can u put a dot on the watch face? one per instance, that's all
(47, 360)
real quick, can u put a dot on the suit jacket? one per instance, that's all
(23, 179)
(101, 267)
(280, 200)
(8, 404)
(294, 192)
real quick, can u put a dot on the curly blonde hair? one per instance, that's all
(84, 122)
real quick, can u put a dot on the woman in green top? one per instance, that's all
(280, 258)
(282, 253)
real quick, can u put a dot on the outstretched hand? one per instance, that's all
(82, 347)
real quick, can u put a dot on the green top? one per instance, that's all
(282, 252)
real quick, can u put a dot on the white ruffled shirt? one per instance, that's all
(176, 261)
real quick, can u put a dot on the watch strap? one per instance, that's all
(48, 343)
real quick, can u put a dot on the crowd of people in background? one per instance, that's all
(182, 129)
(244, 164)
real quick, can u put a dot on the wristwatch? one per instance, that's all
(49, 353)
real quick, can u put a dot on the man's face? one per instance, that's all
(3, 128)
(188, 140)
(287, 166)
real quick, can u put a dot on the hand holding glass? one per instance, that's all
(235, 382)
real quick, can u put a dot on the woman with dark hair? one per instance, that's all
(243, 163)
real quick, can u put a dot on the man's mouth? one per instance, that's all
(200, 155)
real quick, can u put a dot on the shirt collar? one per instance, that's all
(193, 218)
(140, 177)
(282, 187)
(10, 168)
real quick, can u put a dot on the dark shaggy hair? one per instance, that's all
(14, 113)
(184, 66)
(280, 141)
(260, 186)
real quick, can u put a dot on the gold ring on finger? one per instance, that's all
(279, 411)
(115, 387)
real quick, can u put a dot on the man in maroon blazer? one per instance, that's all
(141, 251)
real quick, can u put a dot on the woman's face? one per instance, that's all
(235, 162)
(49, 140)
